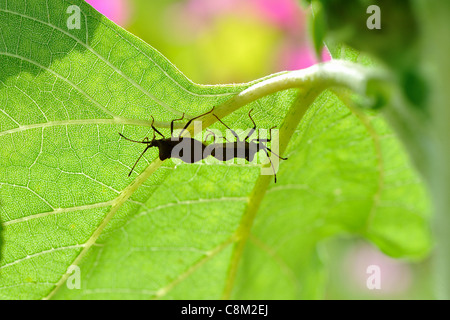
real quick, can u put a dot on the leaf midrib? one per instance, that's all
(117, 204)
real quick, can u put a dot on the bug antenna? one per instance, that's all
(145, 141)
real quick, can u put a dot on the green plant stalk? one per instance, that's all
(434, 17)
(425, 131)
(440, 186)
(426, 139)
(287, 129)
(336, 73)
(311, 81)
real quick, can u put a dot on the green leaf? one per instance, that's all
(317, 28)
(174, 231)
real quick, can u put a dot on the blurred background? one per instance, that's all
(211, 41)
(232, 41)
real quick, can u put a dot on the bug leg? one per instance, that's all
(144, 141)
(209, 133)
(273, 168)
(130, 139)
(252, 129)
(156, 130)
(234, 133)
(270, 133)
(171, 124)
(266, 140)
(190, 121)
(215, 137)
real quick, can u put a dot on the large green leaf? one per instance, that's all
(66, 198)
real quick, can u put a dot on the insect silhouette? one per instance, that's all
(186, 149)
(243, 149)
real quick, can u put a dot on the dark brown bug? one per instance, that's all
(186, 149)
(243, 149)
(191, 150)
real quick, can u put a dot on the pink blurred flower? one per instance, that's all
(294, 52)
(395, 276)
(115, 10)
(285, 14)
(300, 57)
(281, 13)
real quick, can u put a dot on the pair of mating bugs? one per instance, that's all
(191, 150)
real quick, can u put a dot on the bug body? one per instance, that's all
(191, 150)
(242, 149)
(186, 149)
(230, 150)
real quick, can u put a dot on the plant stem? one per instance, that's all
(336, 73)
(312, 82)
(434, 16)
(287, 129)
